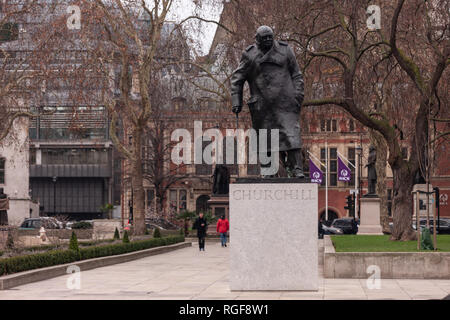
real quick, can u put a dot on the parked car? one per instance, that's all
(37, 223)
(442, 227)
(331, 230)
(347, 225)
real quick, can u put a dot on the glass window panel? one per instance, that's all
(333, 153)
(333, 179)
(333, 166)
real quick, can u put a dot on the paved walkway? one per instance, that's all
(190, 274)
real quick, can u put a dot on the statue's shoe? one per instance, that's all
(298, 173)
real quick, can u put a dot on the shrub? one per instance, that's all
(41, 247)
(157, 233)
(51, 258)
(116, 234)
(125, 237)
(38, 260)
(425, 242)
(73, 245)
(82, 225)
(10, 241)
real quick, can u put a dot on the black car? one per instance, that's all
(442, 227)
(347, 225)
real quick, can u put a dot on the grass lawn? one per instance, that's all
(355, 243)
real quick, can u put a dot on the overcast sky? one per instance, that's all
(184, 8)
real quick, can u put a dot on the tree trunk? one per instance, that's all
(138, 186)
(402, 204)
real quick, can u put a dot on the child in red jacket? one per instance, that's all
(222, 227)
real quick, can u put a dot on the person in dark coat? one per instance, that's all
(277, 91)
(321, 232)
(201, 226)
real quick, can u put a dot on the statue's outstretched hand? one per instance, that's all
(237, 109)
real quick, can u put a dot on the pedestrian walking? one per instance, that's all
(201, 226)
(222, 227)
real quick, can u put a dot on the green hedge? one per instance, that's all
(94, 242)
(56, 257)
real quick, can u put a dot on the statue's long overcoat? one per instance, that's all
(276, 88)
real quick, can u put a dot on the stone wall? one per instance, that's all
(15, 149)
(392, 265)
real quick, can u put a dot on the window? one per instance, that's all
(389, 202)
(32, 156)
(332, 166)
(351, 125)
(150, 199)
(328, 125)
(74, 156)
(177, 200)
(2, 170)
(9, 32)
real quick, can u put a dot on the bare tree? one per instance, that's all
(133, 38)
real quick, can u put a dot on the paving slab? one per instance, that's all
(188, 274)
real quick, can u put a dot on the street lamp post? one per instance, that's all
(54, 194)
(358, 150)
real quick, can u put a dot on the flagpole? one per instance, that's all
(356, 183)
(340, 155)
(356, 178)
(326, 180)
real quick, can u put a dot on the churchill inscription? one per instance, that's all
(273, 235)
(277, 194)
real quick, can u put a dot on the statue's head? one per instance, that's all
(264, 38)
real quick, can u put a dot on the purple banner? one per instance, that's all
(344, 173)
(315, 173)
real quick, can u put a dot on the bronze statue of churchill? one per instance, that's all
(277, 91)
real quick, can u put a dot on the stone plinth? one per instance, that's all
(219, 204)
(273, 236)
(370, 216)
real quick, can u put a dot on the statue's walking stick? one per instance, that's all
(237, 127)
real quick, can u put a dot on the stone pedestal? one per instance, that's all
(273, 234)
(219, 204)
(370, 216)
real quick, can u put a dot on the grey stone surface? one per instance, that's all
(393, 265)
(370, 216)
(190, 274)
(17, 279)
(273, 234)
